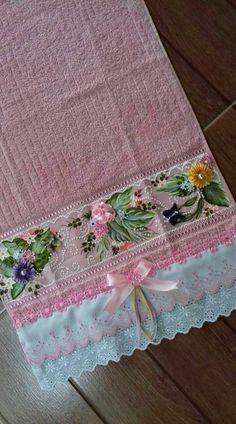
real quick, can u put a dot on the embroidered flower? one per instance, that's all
(100, 230)
(17, 254)
(125, 246)
(3, 252)
(200, 175)
(121, 214)
(6, 283)
(28, 255)
(102, 213)
(208, 211)
(33, 287)
(185, 185)
(28, 237)
(207, 160)
(23, 272)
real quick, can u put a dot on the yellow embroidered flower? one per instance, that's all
(200, 175)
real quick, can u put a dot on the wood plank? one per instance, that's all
(231, 321)
(21, 399)
(136, 390)
(203, 363)
(204, 32)
(221, 137)
(206, 102)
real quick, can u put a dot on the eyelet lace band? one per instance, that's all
(124, 342)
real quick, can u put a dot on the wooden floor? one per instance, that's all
(192, 378)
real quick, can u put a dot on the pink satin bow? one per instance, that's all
(124, 284)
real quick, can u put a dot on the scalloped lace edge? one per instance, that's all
(113, 357)
(73, 345)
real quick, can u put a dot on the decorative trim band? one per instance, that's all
(152, 212)
(25, 312)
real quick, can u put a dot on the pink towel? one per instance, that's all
(103, 162)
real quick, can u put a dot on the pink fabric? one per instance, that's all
(90, 103)
(88, 99)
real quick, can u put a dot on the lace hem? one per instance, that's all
(124, 343)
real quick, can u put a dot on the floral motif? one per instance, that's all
(28, 255)
(198, 184)
(23, 272)
(127, 218)
(24, 258)
(200, 175)
(103, 213)
(117, 222)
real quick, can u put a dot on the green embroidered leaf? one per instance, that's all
(173, 186)
(21, 244)
(6, 266)
(189, 202)
(118, 232)
(215, 195)
(141, 234)
(102, 247)
(16, 290)
(120, 200)
(45, 236)
(37, 247)
(42, 260)
(15, 245)
(196, 213)
(136, 218)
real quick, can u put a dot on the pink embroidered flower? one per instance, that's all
(100, 230)
(28, 237)
(102, 213)
(53, 232)
(206, 159)
(28, 255)
(125, 246)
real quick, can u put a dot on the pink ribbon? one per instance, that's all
(124, 284)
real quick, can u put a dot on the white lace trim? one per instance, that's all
(124, 343)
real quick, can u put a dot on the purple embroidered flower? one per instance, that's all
(23, 272)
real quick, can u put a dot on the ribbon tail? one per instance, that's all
(150, 313)
(133, 303)
(118, 296)
(159, 285)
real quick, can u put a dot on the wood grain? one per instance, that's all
(21, 399)
(204, 32)
(231, 321)
(221, 137)
(203, 364)
(136, 390)
(206, 102)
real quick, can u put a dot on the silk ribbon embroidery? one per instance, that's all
(130, 284)
(110, 226)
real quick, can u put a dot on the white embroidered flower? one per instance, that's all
(121, 214)
(33, 286)
(17, 254)
(29, 238)
(186, 185)
(6, 283)
(3, 252)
